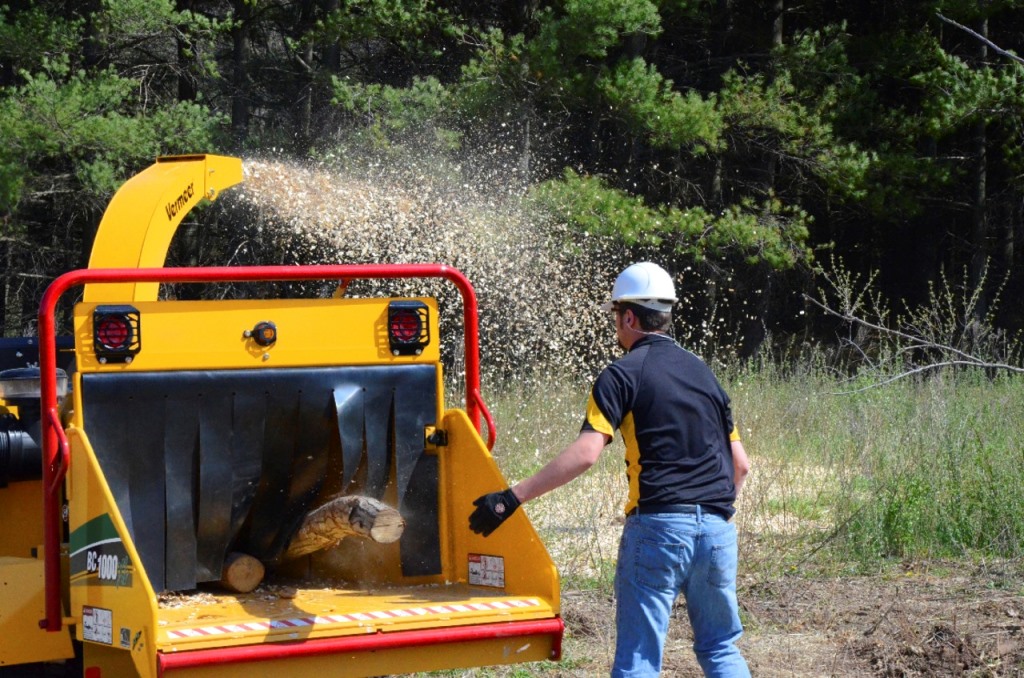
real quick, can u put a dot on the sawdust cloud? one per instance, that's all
(538, 287)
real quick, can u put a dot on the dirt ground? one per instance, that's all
(918, 621)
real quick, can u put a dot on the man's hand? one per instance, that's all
(492, 510)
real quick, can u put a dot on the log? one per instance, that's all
(242, 573)
(345, 516)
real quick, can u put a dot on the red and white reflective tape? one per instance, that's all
(277, 624)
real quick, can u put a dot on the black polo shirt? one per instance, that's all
(676, 423)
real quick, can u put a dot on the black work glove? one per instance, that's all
(492, 510)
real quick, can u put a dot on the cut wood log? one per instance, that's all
(242, 573)
(346, 516)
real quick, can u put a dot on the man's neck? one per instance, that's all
(639, 335)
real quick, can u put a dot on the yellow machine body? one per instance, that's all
(205, 440)
(21, 581)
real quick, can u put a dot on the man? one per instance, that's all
(685, 466)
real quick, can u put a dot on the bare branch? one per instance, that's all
(915, 343)
(33, 276)
(916, 340)
(928, 367)
(996, 48)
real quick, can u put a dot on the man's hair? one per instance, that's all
(650, 320)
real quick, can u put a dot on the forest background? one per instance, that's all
(751, 143)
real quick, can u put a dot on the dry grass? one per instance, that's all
(809, 607)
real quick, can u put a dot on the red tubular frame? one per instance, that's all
(55, 447)
(167, 662)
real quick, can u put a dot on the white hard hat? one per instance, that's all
(644, 284)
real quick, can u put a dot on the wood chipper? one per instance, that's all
(249, 487)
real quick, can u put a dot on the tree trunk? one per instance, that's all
(305, 74)
(346, 516)
(779, 11)
(980, 248)
(186, 70)
(5, 247)
(332, 51)
(92, 45)
(239, 79)
(525, 157)
(306, 100)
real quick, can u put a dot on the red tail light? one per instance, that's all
(408, 327)
(116, 333)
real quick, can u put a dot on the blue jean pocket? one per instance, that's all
(722, 570)
(656, 564)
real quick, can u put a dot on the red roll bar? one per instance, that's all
(55, 446)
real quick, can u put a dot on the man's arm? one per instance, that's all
(740, 465)
(577, 457)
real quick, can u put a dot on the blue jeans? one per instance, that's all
(660, 556)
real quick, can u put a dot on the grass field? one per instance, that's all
(843, 476)
(851, 485)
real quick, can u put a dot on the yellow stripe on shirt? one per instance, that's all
(597, 420)
(633, 467)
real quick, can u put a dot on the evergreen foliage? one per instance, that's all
(741, 138)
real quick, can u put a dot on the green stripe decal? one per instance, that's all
(98, 530)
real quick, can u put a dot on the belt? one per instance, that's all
(695, 509)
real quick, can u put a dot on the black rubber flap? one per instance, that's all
(204, 463)
(348, 407)
(136, 480)
(384, 432)
(421, 540)
(268, 506)
(180, 457)
(295, 461)
(248, 430)
(215, 484)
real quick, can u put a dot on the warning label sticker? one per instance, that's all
(486, 570)
(97, 625)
